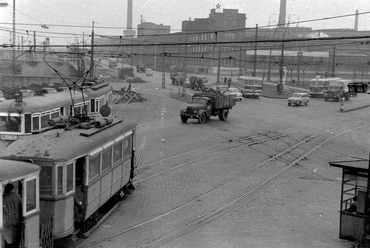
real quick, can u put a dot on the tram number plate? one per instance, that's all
(8, 137)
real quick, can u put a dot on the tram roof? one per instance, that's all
(356, 165)
(15, 169)
(62, 145)
(43, 103)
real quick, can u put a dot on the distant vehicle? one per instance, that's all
(149, 72)
(318, 86)
(197, 82)
(112, 62)
(140, 68)
(235, 92)
(205, 105)
(222, 88)
(250, 86)
(298, 99)
(178, 78)
(2, 98)
(335, 87)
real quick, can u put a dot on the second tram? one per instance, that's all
(85, 172)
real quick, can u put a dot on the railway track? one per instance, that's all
(229, 194)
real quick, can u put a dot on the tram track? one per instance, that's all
(310, 144)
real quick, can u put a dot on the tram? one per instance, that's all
(24, 177)
(27, 115)
(86, 169)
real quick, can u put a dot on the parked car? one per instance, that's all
(149, 72)
(222, 88)
(298, 99)
(235, 92)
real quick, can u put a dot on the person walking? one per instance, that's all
(229, 82)
(225, 80)
(12, 212)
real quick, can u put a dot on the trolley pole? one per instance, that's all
(163, 74)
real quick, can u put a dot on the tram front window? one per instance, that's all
(10, 124)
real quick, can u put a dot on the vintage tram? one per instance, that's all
(86, 169)
(27, 115)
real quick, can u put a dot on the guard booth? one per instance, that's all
(354, 216)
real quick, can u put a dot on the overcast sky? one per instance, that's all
(110, 16)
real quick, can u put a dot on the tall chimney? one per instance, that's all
(129, 14)
(129, 32)
(356, 21)
(282, 14)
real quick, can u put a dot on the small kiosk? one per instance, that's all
(354, 217)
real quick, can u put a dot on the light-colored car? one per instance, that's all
(149, 72)
(298, 99)
(235, 92)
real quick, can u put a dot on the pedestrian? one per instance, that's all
(225, 80)
(229, 82)
(353, 206)
(12, 212)
(129, 88)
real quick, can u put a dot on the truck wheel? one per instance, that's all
(223, 115)
(202, 118)
(184, 119)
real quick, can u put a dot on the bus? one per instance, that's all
(250, 86)
(28, 115)
(318, 86)
(85, 173)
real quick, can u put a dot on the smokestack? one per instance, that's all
(356, 21)
(129, 14)
(129, 32)
(282, 14)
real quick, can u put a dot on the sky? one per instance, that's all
(69, 21)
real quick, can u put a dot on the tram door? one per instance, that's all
(80, 172)
(13, 233)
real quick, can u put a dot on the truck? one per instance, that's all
(338, 89)
(196, 82)
(178, 78)
(140, 67)
(207, 104)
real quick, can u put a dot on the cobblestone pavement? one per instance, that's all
(298, 210)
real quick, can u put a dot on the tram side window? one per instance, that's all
(36, 123)
(3, 126)
(94, 167)
(54, 114)
(46, 180)
(126, 146)
(31, 195)
(117, 155)
(60, 180)
(69, 177)
(107, 159)
(92, 104)
(45, 117)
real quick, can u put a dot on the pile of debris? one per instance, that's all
(125, 96)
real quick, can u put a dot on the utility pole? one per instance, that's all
(240, 61)
(163, 74)
(13, 50)
(185, 63)
(333, 65)
(34, 41)
(218, 64)
(92, 54)
(255, 53)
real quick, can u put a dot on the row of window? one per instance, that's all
(99, 163)
(13, 123)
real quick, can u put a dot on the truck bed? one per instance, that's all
(220, 101)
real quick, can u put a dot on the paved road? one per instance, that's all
(188, 171)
